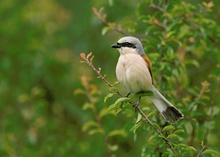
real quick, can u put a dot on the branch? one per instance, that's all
(158, 8)
(137, 108)
(113, 26)
(202, 150)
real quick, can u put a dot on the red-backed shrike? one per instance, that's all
(133, 70)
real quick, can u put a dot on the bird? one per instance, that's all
(133, 70)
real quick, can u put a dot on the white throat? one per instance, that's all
(127, 50)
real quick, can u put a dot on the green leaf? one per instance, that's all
(179, 132)
(168, 128)
(213, 153)
(162, 136)
(151, 114)
(95, 131)
(193, 150)
(135, 127)
(118, 103)
(210, 125)
(172, 136)
(112, 89)
(89, 124)
(121, 100)
(152, 137)
(104, 112)
(108, 96)
(156, 125)
(189, 127)
(87, 106)
(105, 30)
(181, 146)
(112, 107)
(193, 62)
(169, 34)
(121, 132)
(112, 147)
(167, 154)
(183, 30)
(79, 91)
(212, 111)
(138, 117)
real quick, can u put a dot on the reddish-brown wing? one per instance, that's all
(147, 60)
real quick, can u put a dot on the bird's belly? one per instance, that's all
(133, 73)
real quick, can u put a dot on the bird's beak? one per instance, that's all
(116, 45)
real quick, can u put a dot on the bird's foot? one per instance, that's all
(127, 95)
(136, 106)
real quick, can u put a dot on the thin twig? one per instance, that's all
(158, 8)
(202, 150)
(137, 108)
(114, 27)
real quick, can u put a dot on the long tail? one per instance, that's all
(168, 111)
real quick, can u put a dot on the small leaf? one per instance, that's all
(211, 152)
(121, 100)
(189, 127)
(118, 132)
(112, 89)
(169, 34)
(82, 55)
(89, 55)
(135, 127)
(167, 154)
(112, 147)
(168, 128)
(108, 96)
(99, 69)
(91, 59)
(151, 114)
(95, 131)
(87, 106)
(105, 30)
(152, 137)
(193, 62)
(212, 111)
(78, 91)
(210, 125)
(139, 117)
(101, 9)
(112, 107)
(156, 125)
(88, 125)
(118, 104)
(104, 112)
(162, 136)
(179, 132)
(193, 150)
(172, 136)
(181, 146)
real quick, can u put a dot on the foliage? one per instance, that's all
(177, 39)
(51, 105)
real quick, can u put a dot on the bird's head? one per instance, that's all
(129, 44)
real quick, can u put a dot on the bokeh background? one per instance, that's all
(40, 43)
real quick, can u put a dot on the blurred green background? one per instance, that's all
(40, 43)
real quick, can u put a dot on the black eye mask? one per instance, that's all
(127, 44)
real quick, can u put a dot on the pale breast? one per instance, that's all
(133, 73)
